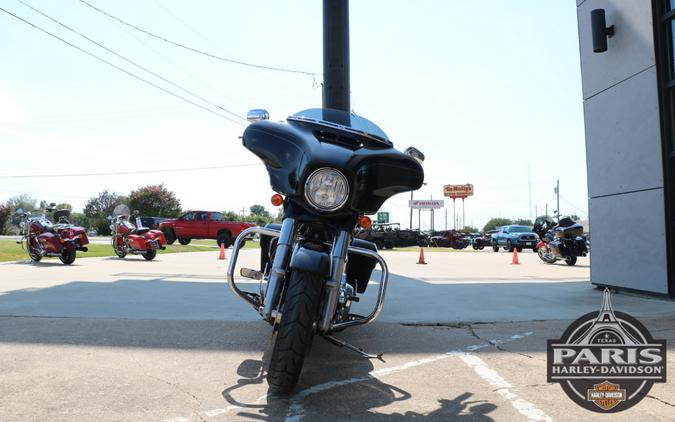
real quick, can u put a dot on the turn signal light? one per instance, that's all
(277, 200)
(365, 222)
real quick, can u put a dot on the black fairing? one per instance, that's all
(292, 150)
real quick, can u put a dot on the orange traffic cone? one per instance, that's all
(421, 259)
(514, 260)
(222, 252)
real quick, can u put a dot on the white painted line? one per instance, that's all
(503, 388)
(296, 411)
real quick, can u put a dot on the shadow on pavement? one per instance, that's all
(353, 401)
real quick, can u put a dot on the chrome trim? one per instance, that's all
(257, 114)
(384, 280)
(338, 261)
(278, 272)
(238, 243)
(315, 206)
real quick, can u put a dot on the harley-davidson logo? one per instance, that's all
(606, 395)
(606, 361)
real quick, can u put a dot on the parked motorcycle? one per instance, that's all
(561, 241)
(333, 168)
(129, 239)
(43, 238)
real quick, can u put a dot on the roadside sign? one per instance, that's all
(458, 191)
(426, 204)
(382, 217)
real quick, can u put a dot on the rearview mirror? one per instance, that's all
(257, 114)
(415, 153)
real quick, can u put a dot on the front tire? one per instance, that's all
(509, 246)
(571, 260)
(184, 241)
(296, 330)
(495, 247)
(68, 256)
(224, 238)
(170, 236)
(150, 254)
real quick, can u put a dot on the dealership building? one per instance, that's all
(628, 78)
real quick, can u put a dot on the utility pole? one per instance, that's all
(446, 218)
(529, 192)
(336, 90)
(411, 199)
(557, 193)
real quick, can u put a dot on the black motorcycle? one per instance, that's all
(561, 241)
(332, 168)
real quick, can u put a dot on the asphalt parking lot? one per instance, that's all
(463, 339)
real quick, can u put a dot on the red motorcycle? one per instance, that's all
(43, 238)
(129, 239)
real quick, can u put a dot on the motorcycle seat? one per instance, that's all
(140, 230)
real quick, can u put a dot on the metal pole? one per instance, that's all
(336, 55)
(454, 215)
(446, 218)
(463, 221)
(411, 199)
(419, 219)
(557, 191)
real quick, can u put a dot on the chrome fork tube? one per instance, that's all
(278, 271)
(338, 261)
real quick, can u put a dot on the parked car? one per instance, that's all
(482, 240)
(202, 225)
(390, 235)
(449, 239)
(92, 233)
(514, 237)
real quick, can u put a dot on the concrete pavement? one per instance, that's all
(109, 340)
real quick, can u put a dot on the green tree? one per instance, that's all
(23, 201)
(98, 208)
(523, 222)
(469, 229)
(496, 222)
(231, 216)
(5, 214)
(259, 211)
(64, 206)
(155, 201)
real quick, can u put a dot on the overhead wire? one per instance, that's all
(195, 50)
(120, 68)
(117, 173)
(131, 61)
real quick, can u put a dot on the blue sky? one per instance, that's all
(484, 89)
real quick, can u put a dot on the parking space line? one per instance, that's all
(503, 388)
(296, 411)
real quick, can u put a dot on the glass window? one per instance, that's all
(217, 216)
(202, 216)
(188, 217)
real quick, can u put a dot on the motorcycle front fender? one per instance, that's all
(311, 261)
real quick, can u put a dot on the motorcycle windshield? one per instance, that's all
(342, 120)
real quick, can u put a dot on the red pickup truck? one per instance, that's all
(202, 225)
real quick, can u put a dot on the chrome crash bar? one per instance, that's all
(253, 300)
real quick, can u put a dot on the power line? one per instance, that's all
(130, 61)
(120, 68)
(195, 50)
(117, 173)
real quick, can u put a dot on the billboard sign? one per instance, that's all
(458, 191)
(426, 204)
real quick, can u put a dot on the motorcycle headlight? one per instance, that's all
(326, 189)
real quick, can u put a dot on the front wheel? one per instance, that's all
(509, 246)
(184, 240)
(170, 236)
(150, 254)
(495, 247)
(296, 330)
(33, 253)
(545, 255)
(571, 260)
(68, 256)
